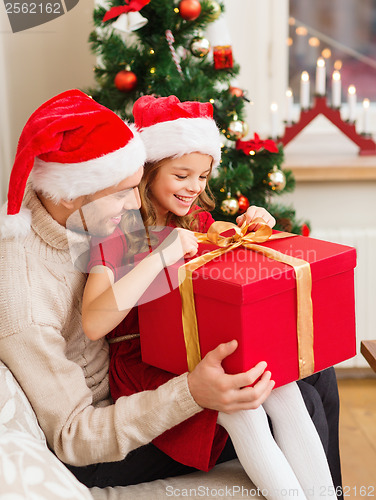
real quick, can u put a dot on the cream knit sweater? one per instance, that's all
(63, 374)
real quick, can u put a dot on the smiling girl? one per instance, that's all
(183, 146)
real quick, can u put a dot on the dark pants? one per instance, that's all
(148, 463)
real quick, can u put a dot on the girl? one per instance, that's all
(183, 145)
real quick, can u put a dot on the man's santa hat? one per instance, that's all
(71, 146)
(170, 128)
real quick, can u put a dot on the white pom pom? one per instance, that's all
(15, 226)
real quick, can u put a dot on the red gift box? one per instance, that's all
(245, 295)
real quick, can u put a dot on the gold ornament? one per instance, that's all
(277, 179)
(237, 129)
(216, 10)
(200, 46)
(230, 205)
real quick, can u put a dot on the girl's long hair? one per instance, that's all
(205, 202)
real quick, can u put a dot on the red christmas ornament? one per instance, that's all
(236, 91)
(189, 9)
(305, 230)
(243, 203)
(125, 81)
(222, 55)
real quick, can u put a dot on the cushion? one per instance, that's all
(28, 469)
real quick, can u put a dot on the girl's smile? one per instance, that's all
(178, 183)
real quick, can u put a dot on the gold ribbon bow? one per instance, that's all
(250, 241)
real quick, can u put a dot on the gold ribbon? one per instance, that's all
(250, 241)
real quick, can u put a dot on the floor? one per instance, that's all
(358, 437)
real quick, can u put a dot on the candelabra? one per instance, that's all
(366, 144)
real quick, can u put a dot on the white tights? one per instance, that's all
(294, 461)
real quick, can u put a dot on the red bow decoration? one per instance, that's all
(130, 6)
(256, 144)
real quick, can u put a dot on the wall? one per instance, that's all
(259, 32)
(39, 63)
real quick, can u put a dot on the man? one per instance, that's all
(74, 151)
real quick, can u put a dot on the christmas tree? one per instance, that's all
(165, 47)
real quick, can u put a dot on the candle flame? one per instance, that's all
(366, 103)
(321, 62)
(288, 93)
(274, 107)
(352, 89)
(336, 75)
(305, 76)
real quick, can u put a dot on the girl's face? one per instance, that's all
(179, 181)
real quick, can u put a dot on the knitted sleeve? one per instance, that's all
(64, 375)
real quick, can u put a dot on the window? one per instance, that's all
(343, 33)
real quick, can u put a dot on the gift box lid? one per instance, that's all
(242, 275)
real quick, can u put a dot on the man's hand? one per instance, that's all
(212, 388)
(253, 213)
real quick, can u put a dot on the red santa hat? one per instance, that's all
(71, 146)
(170, 128)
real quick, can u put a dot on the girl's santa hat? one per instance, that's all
(170, 128)
(71, 146)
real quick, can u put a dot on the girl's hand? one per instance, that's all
(252, 213)
(179, 243)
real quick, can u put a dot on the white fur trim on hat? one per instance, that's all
(182, 136)
(70, 180)
(15, 226)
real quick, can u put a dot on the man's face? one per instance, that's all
(100, 213)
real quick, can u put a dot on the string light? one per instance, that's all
(301, 30)
(314, 42)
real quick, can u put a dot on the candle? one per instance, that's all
(289, 106)
(304, 90)
(366, 116)
(351, 100)
(274, 120)
(336, 89)
(320, 77)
